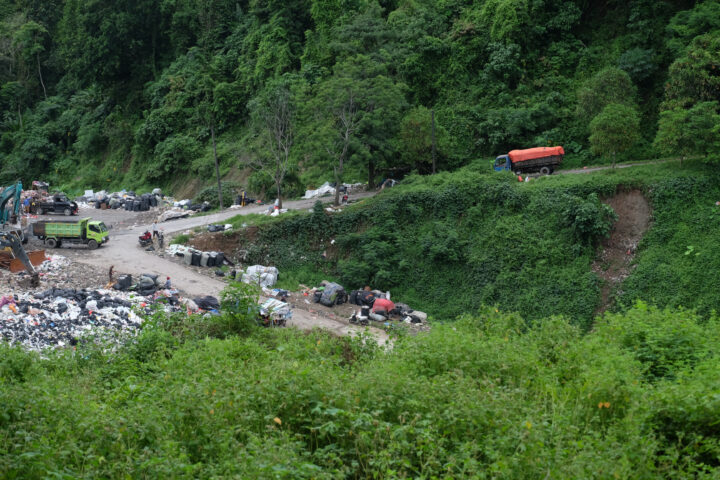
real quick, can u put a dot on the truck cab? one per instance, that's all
(502, 163)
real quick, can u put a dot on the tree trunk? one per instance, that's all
(613, 160)
(337, 186)
(371, 173)
(217, 164)
(279, 199)
(432, 118)
(40, 75)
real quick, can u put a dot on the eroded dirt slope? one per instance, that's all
(614, 262)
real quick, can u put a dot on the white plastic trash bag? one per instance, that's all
(261, 275)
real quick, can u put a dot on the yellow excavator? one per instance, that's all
(12, 236)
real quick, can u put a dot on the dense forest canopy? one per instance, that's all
(103, 94)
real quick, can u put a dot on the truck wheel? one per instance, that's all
(67, 212)
(51, 242)
(92, 244)
(40, 211)
(545, 171)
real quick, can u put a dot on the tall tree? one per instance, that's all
(273, 111)
(614, 130)
(694, 76)
(686, 132)
(610, 85)
(29, 40)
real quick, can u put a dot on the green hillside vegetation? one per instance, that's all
(485, 397)
(517, 377)
(137, 94)
(450, 243)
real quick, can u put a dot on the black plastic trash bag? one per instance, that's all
(334, 294)
(207, 303)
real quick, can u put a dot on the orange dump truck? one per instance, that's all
(532, 160)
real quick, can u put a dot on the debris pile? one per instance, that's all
(188, 205)
(375, 305)
(59, 317)
(328, 188)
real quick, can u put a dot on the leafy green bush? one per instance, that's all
(210, 194)
(589, 219)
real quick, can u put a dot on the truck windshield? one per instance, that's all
(103, 228)
(500, 161)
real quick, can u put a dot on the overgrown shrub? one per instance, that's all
(210, 194)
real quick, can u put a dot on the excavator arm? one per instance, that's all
(9, 240)
(13, 193)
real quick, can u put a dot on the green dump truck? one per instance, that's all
(86, 231)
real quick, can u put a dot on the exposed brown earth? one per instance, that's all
(614, 262)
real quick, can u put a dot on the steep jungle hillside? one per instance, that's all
(143, 92)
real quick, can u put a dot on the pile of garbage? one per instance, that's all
(147, 284)
(188, 205)
(374, 305)
(328, 188)
(126, 200)
(328, 294)
(60, 317)
(198, 258)
(274, 313)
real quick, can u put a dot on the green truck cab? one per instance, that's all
(85, 231)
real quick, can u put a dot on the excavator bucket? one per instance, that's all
(10, 240)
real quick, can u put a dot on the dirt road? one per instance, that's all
(124, 253)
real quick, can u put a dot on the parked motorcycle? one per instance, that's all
(145, 239)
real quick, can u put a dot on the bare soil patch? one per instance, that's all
(614, 262)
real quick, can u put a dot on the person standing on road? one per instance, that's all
(154, 230)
